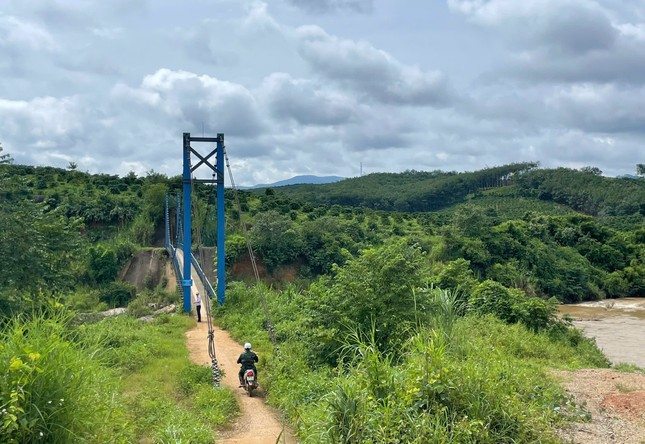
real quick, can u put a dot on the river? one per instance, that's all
(618, 325)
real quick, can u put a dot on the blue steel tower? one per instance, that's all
(187, 181)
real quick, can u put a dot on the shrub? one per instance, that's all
(512, 305)
(103, 264)
(138, 308)
(117, 294)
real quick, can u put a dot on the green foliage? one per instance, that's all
(640, 169)
(457, 276)
(325, 239)
(273, 237)
(484, 221)
(628, 368)
(103, 265)
(410, 191)
(235, 247)
(83, 299)
(152, 358)
(587, 193)
(191, 376)
(490, 297)
(53, 386)
(40, 251)
(142, 229)
(117, 294)
(5, 158)
(374, 288)
(139, 307)
(454, 379)
(512, 305)
(216, 406)
(154, 201)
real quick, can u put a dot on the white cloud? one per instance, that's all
(25, 34)
(40, 118)
(307, 102)
(197, 100)
(319, 88)
(373, 72)
(325, 6)
(108, 33)
(563, 40)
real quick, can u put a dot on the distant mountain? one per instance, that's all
(298, 180)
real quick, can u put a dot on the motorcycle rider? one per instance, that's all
(247, 360)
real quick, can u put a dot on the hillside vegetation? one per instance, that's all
(419, 307)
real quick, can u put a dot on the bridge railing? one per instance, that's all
(172, 251)
(200, 273)
(207, 285)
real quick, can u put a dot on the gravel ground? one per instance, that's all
(616, 402)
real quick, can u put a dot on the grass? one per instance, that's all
(458, 379)
(54, 385)
(622, 388)
(116, 381)
(628, 368)
(168, 399)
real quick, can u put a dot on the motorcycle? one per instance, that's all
(250, 381)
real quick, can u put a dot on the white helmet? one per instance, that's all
(247, 346)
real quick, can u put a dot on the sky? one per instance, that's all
(323, 87)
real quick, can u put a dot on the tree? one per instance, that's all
(374, 289)
(640, 169)
(154, 200)
(5, 158)
(592, 170)
(273, 237)
(40, 250)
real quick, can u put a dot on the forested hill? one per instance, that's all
(584, 190)
(516, 224)
(108, 198)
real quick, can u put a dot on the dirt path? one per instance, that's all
(616, 402)
(258, 423)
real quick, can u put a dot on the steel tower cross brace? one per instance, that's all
(218, 179)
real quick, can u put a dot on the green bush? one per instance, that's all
(472, 379)
(103, 264)
(374, 288)
(192, 376)
(216, 405)
(512, 305)
(117, 294)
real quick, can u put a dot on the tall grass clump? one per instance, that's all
(54, 387)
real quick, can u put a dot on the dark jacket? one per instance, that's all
(247, 359)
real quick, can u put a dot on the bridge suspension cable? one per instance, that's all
(265, 305)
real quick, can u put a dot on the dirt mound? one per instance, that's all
(630, 405)
(147, 268)
(616, 402)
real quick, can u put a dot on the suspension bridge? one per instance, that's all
(179, 247)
